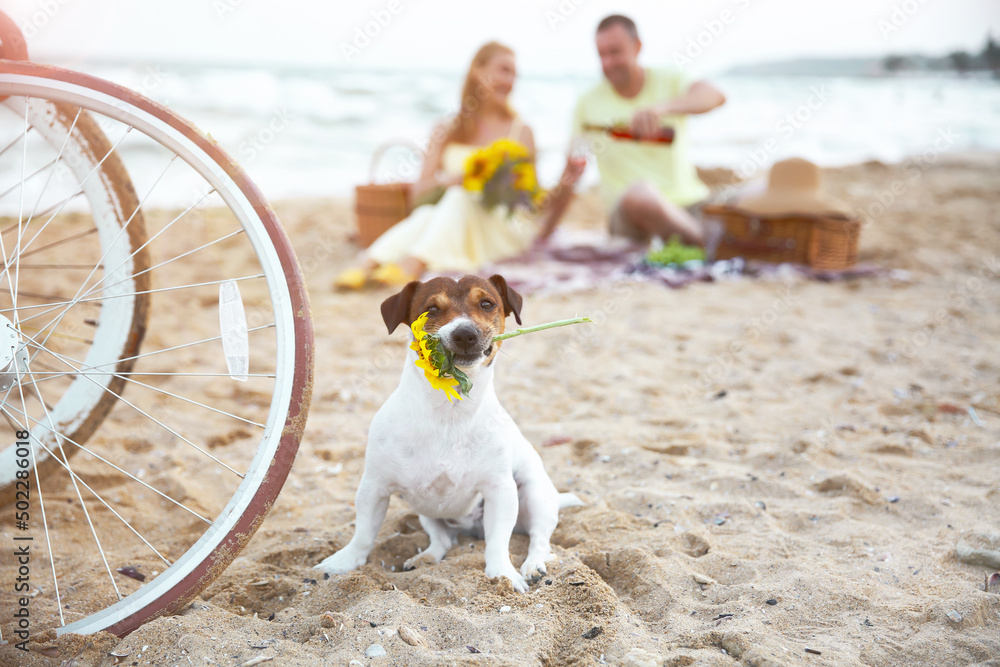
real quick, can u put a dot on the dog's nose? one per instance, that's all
(465, 337)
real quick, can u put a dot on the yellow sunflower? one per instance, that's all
(524, 177)
(510, 149)
(423, 362)
(477, 171)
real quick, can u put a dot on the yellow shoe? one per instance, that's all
(351, 279)
(392, 275)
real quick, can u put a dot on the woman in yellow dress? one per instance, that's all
(458, 233)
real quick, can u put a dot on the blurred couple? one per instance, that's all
(648, 185)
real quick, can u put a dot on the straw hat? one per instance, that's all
(793, 186)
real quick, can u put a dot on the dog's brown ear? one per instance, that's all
(396, 309)
(511, 300)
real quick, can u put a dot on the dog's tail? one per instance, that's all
(569, 500)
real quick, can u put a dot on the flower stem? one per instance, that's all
(540, 327)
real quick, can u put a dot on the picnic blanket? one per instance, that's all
(580, 260)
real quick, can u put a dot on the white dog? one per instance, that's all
(462, 466)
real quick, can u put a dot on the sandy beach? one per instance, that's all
(776, 472)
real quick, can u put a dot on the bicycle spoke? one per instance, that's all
(41, 503)
(144, 245)
(78, 192)
(98, 299)
(14, 143)
(69, 267)
(75, 339)
(192, 402)
(76, 488)
(20, 215)
(34, 295)
(172, 395)
(54, 244)
(52, 171)
(101, 262)
(146, 415)
(104, 502)
(26, 178)
(103, 460)
(75, 476)
(174, 259)
(53, 207)
(57, 374)
(83, 368)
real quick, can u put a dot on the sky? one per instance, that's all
(550, 36)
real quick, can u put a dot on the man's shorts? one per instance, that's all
(620, 225)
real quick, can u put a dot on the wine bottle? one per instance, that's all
(664, 136)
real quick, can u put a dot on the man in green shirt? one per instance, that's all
(647, 187)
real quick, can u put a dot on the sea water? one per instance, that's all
(313, 132)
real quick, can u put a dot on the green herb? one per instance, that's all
(675, 253)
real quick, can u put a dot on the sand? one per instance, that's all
(776, 472)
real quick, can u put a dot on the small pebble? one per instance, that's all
(954, 616)
(410, 636)
(375, 651)
(980, 548)
(504, 609)
(772, 602)
(593, 632)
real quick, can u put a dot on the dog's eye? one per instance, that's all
(486, 304)
(432, 309)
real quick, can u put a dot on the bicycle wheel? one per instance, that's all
(199, 426)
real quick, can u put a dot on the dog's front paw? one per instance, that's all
(516, 580)
(343, 561)
(533, 570)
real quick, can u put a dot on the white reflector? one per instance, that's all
(233, 320)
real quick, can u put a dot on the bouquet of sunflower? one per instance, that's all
(503, 174)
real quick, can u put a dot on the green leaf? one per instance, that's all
(443, 360)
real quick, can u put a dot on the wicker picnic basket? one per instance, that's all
(821, 241)
(379, 206)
